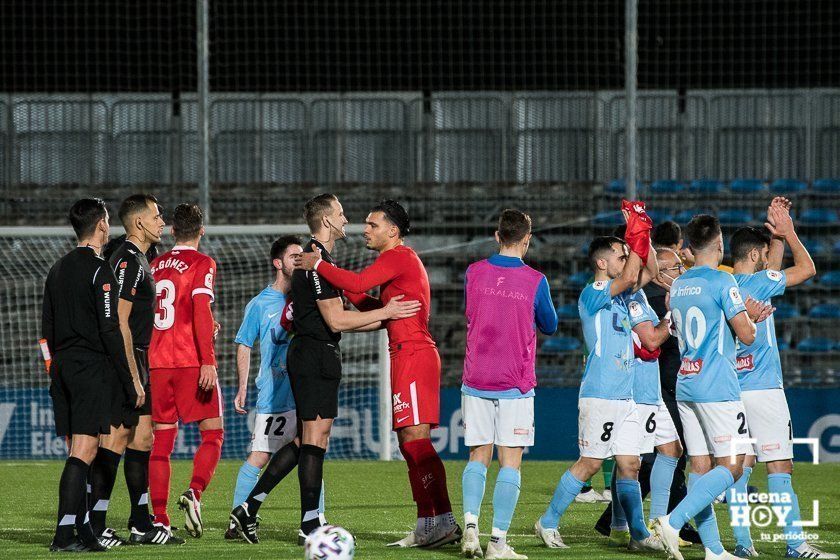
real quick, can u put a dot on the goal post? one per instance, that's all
(362, 431)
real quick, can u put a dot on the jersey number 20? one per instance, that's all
(165, 312)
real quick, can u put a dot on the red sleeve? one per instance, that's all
(204, 279)
(363, 302)
(383, 269)
(203, 328)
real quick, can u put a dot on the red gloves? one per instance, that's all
(644, 354)
(287, 317)
(639, 225)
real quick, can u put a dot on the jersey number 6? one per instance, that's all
(165, 313)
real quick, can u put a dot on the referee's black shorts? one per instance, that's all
(80, 388)
(123, 412)
(315, 373)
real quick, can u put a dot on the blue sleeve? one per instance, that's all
(729, 296)
(544, 311)
(249, 330)
(768, 284)
(596, 296)
(640, 312)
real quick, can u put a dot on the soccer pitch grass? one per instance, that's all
(373, 501)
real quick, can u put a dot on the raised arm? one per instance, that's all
(780, 225)
(629, 276)
(382, 270)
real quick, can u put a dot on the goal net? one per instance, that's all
(27, 427)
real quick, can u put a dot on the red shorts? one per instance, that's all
(178, 397)
(415, 387)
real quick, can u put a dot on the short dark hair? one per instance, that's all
(599, 246)
(666, 234)
(702, 230)
(135, 204)
(85, 214)
(513, 226)
(278, 248)
(187, 221)
(620, 231)
(316, 208)
(394, 213)
(745, 240)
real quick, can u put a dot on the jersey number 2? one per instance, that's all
(165, 312)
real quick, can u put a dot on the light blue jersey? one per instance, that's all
(759, 365)
(703, 300)
(262, 322)
(646, 374)
(606, 329)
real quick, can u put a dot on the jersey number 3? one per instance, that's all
(165, 312)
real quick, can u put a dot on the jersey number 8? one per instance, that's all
(165, 312)
(693, 331)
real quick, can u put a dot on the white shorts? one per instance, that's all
(273, 431)
(657, 426)
(505, 422)
(713, 428)
(769, 417)
(607, 428)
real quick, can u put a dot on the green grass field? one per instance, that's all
(373, 501)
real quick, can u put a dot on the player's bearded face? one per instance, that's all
(617, 260)
(287, 263)
(761, 262)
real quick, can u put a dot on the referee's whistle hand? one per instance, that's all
(207, 377)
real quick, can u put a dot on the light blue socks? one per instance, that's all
(505, 496)
(245, 482)
(564, 495)
(738, 507)
(630, 497)
(780, 484)
(704, 516)
(661, 476)
(472, 483)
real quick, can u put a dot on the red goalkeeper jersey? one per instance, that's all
(183, 333)
(397, 271)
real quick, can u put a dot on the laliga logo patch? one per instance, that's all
(774, 275)
(599, 285)
(735, 295)
(635, 309)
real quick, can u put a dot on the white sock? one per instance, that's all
(497, 536)
(470, 519)
(424, 525)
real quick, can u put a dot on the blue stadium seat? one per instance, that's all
(707, 186)
(831, 279)
(788, 186)
(560, 344)
(747, 186)
(685, 216)
(785, 311)
(568, 311)
(620, 186)
(659, 216)
(817, 344)
(815, 245)
(667, 186)
(734, 216)
(825, 311)
(782, 345)
(613, 218)
(579, 279)
(819, 216)
(827, 185)
(837, 247)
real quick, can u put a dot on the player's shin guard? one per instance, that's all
(661, 477)
(736, 499)
(103, 475)
(630, 498)
(160, 472)
(564, 495)
(136, 470)
(505, 496)
(425, 505)
(705, 517)
(206, 460)
(280, 465)
(779, 484)
(72, 489)
(472, 483)
(310, 474)
(432, 474)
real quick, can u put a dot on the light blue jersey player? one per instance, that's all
(758, 260)
(707, 308)
(608, 425)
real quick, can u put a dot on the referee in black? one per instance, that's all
(79, 322)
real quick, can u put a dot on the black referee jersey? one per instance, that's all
(307, 288)
(136, 284)
(79, 321)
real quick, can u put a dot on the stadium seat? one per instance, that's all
(613, 218)
(782, 345)
(667, 186)
(706, 186)
(685, 216)
(825, 311)
(837, 248)
(735, 217)
(659, 216)
(619, 186)
(815, 245)
(816, 344)
(578, 279)
(568, 311)
(788, 186)
(747, 186)
(819, 217)
(785, 311)
(827, 185)
(831, 279)
(560, 344)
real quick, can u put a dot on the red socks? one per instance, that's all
(428, 478)
(206, 459)
(160, 473)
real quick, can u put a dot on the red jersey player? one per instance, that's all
(415, 363)
(183, 366)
